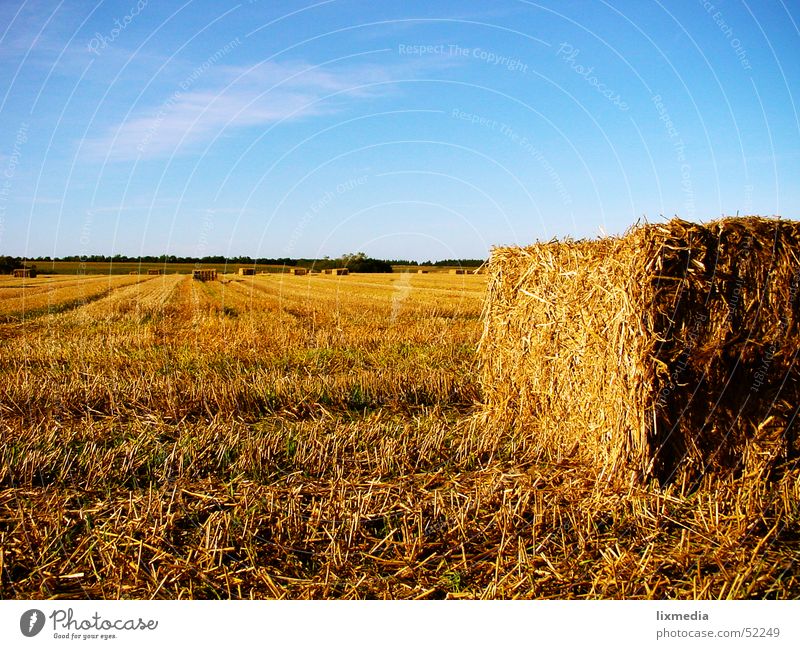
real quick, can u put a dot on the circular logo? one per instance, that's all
(31, 622)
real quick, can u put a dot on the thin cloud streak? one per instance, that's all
(238, 97)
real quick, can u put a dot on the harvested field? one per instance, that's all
(51, 295)
(284, 436)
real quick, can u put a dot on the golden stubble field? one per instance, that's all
(278, 436)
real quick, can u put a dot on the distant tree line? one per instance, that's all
(173, 259)
(357, 262)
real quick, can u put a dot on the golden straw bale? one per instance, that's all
(670, 351)
(205, 274)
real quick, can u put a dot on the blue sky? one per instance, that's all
(404, 129)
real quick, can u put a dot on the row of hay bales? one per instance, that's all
(670, 351)
(326, 271)
(296, 270)
(150, 271)
(210, 274)
(245, 272)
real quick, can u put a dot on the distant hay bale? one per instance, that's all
(25, 272)
(457, 271)
(299, 271)
(247, 271)
(133, 272)
(155, 271)
(670, 351)
(340, 271)
(423, 271)
(205, 274)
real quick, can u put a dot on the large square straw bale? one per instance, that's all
(671, 350)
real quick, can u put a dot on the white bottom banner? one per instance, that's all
(384, 625)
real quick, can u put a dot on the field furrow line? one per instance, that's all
(62, 298)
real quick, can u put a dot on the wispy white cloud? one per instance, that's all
(230, 98)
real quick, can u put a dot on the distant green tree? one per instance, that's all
(359, 263)
(470, 263)
(8, 264)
